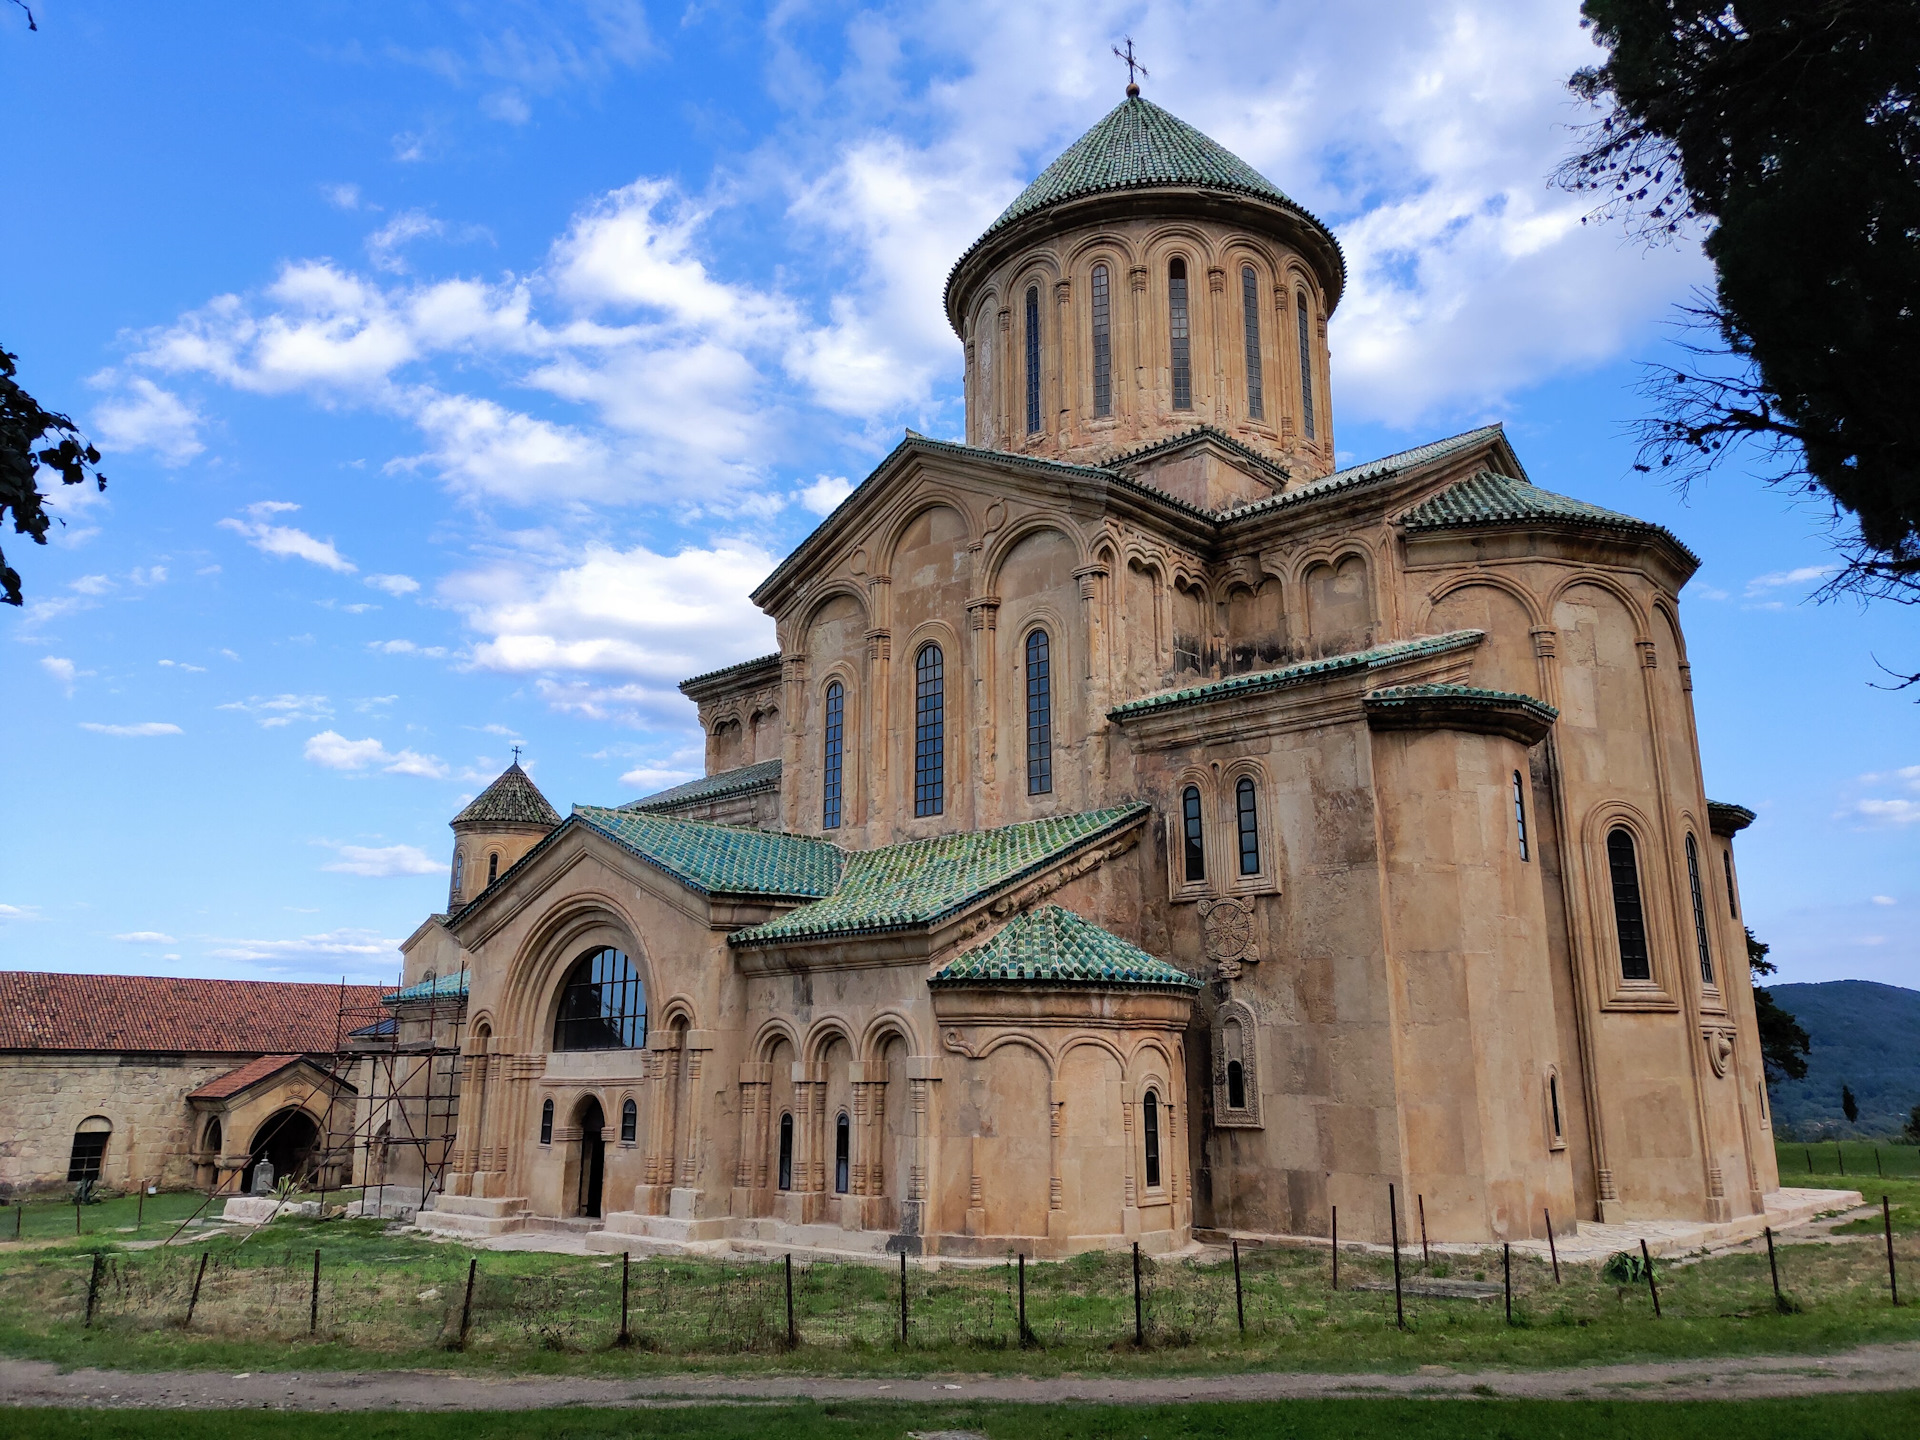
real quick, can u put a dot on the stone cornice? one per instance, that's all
(1461, 707)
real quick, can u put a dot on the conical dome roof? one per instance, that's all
(513, 799)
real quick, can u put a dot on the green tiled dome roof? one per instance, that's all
(1490, 499)
(513, 799)
(1054, 946)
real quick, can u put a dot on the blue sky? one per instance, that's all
(461, 367)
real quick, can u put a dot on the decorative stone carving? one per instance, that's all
(1227, 930)
(1719, 1045)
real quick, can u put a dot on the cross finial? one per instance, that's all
(1133, 88)
(516, 754)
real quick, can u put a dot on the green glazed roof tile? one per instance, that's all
(901, 887)
(736, 669)
(1054, 946)
(442, 987)
(722, 859)
(764, 775)
(1397, 695)
(513, 799)
(1258, 681)
(1385, 468)
(1490, 499)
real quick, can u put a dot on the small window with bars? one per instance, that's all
(1039, 714)
(1179, 334)
(929, 732)
(1102, 345)
(833, 731)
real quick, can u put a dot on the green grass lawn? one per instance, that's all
(126, 1217)
(1825, 1418)
(1860, 1162)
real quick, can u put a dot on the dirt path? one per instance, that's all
(33, 1382)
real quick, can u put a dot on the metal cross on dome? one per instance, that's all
(516, 754)
(1133, 87)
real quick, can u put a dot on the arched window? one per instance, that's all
(1102, 345)
(629, 1121)
(834, 732)
(212, 1142)
(1250, 308)
(1033, 359)
(546, 1122)
(1553, 1105)
(1150, 1128)
(603, 1005)
(786, 1150)
(1733, 906)
(929, 731)
(842, 1152)
(1520, 813)
(89, 1148)
(1629, 919)
(1195, 849)
(459, 871)
(1039, 715)
(1699, 912)
(1179, 336)
(1306, 364)
(493, 866)
(1246, 812)
(1236, 1085)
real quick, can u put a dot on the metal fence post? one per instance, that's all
(93, 1283)
(1026, 1335)
(793, 1337)
(1773, 1268)
(625, 1337)
(313, 1305)
(466, 1305)
(1506, 1276)
(903, 1299)
(1239, 1300)
(1426, 1254)
(1841, 1156)
(140, 1206)
(1139, 1319)
(1893, 1276)
(1336, 1247)
(1652, 1289)
(193, 1300)
(1393, 1225)
(1553, 1251)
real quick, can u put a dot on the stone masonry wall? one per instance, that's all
(45, 1097)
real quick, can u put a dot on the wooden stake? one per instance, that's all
(140, 1209)
(466, 1305)
(1336, 1247)
(1552, 1249)
(1773, 1268)
(193, 1300)
(1506, 1276)
(793, 1337)
(625, 1338)
(93, 1287)
(1026, 1335)
(1841, 1156)
(1426, 1255)
(1393, 1225)
(1893, 1275)
(1139, 1321)
(313, 1305)
(1652, 1289)
(1239, 1300)
(903, 1299)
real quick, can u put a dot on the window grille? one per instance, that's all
(1306, 365)
(1196, 851)
(1250, 307)
(1629, 919)
(1033, 359)
(1699, 913)
(929, 732)
(629, 1121)
(1102, 345)
(493, 866)
(1151, 1129)
(1039, 715)
(1247, 812)
(546, 1122)
(1179, 336)
(89, 1150)
(1520, 813)
(603, 1005)
(834, 734)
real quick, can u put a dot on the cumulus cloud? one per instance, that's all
(406, 647)
(1896, 809)
(395, 585)
(183, 665)
(19, 912)
(284, 541)
(331, 944)
(143, 416)
(274, 711)
(381, 862)
(824, 495)
(140, 730)
(333, 751)
(145, 937)
(61, 670)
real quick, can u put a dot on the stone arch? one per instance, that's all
(885, 1026)
(1009, 1087)
(1508, 615)
(772, 1033)
(926, 502)
(1236, 1040)
(1600, 581)
(559, 938)
(1001, 545)
(1093, 1135)
(1656, 901)
(823, 1033)
(1256, 624)
(1340, 605)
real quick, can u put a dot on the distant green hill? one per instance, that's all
(1864, 1035)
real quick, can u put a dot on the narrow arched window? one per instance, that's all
(1039, 715)
(1553, 1104)
(1150, 1129)
(546, 1122)
(1179, 336)
(493, 866)
(459, 871)
(1033, 359)
(1306, 364)
(1629, 918)
(1699, 913)
(603, 1004)
(929, 732)
(834, 733)
(1733, 906)
(213, 1136)
(1236, 1085)
(1102, 344)
(1195, 859)
(842, 1152)
(1246, 812)
(1520, 813)
(629, 1121)
(1250, 308)
(786, 1151)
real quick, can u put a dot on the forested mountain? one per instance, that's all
(1865, 1036)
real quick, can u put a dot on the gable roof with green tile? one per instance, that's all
(1257, 682)
(764, 775)
(1487, 498)
(923, 882)
(722, 859)
(1051, 946)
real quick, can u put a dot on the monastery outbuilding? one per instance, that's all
(1145, 828)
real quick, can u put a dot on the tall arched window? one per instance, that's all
(1733, 906)
(1247, 813)
(1033, 359)
(786, 1151)
(1553, 1105)
(1150, 1128)
(929, 732)
(1699, 912)
(493, 866)
(1520, 813)
(1195, 858)
(629, 1121)
(1039, 715)
(89, 1148)
(1102, 344)
(212, 1142)
(842, 1152)
(459, 871)
(1629, 919)
(1306, 364)
(603, 1005)
(546, 1122)
(1179, 335)
(834, 733)
(1250, 309)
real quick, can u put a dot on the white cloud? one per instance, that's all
(342, 197)
(142, 416)
(137, 731)
(333, 751)
(383, 246)
(650, 778)
(182, 665)
(19, 912)
(146, 937)
(383, 861)
(406, 647)
(90, 585)
(1761, 585)
(273, 711)
(824, 495)
(331, 944)
(284, 541)
(1885, 900)
(1888, 812)
(61, 670)
(148, 575)
(394, 584)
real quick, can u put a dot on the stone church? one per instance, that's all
(1146, 827)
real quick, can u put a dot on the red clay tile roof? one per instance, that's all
(234, 1081)
(40, 1011)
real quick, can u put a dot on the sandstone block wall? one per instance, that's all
(45, 1097)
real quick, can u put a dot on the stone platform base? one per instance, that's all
(259, 1209)
(472, 1217)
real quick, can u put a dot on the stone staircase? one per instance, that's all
(472, 1217)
